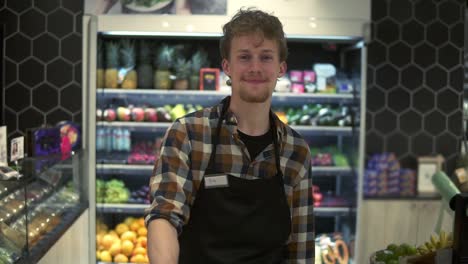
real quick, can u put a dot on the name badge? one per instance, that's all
(216, 181)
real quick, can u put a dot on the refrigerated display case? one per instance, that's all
(124, 147)
(37, 208)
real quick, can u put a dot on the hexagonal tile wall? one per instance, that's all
(416, 89)
(42, 62)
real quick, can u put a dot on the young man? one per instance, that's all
(233, 183)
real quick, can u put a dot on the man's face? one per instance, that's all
(253, 67)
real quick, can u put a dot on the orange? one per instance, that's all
(139, 250)
(127, 247)
(142, 241)
(141, 221)
(142, 231)
(134, 226)
(115, 248)
(138, 259)
(121, 228)
(129, 235)
(107, 241)
(129, 220)
(105, 256)
(120, 258)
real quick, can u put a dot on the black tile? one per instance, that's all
(370, 75)
(447, 101)
(17, 97)
(408, 161)
(450, 56)
(2, 3)
(79, 23)
(398, 144)
(45, 97)
(18, 47)
(387, 31)
(398, 100)
(379, 10)
(401, 10)
(32, 23)
(437, 33)
(369, 121)
(70, 98)
(455, 122)
(78, 118)
(46, 47)
(18, 6)
(412, 77)
(31, 72)
(10, 20)
(435, 123)
(77, 76)
(436, 78)
(29, 119)
(424, 100)
(11, 72)
(422, 144)
(456, 78)
(75, 6)
(400, 54)
(374, 143)
(456, 35)
(11, 120)
(387, 76)
(59, 73)
(412, 32)
(446, 144)
(47, 6)
(58, 115)
(60, 23)
(376, 53)
(450, 12)
(385, 121)
(375, 99)
(425, 55)
(410, 122)
(71, 48)
(425, 11)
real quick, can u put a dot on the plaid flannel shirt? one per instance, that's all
(184, 157)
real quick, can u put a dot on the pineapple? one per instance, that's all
(199, 60)
(163, 62)
(182, 69)
(100, 77)
(127, 55)
(145, 69)
(112, 61)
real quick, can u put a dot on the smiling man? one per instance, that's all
(233, 183)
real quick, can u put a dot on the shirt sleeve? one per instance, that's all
(301, 247)
(171, 184)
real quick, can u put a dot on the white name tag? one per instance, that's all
(216, 181)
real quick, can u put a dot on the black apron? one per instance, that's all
(248, 222)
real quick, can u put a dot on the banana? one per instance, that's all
(422, 250)
(429, 246)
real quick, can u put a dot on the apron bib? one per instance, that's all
(246, 222)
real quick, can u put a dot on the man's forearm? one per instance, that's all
(163, 244)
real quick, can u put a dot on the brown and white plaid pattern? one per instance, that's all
(184, 157)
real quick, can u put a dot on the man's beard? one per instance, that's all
(249, 97)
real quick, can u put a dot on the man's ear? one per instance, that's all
(283, 69)
(226, 68)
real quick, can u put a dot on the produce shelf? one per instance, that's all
(163, 126)
(207, 98)
(332, 171)
(139, 209)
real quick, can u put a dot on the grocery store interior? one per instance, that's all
(375, 87)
